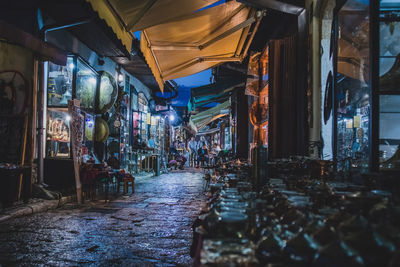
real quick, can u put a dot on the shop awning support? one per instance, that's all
(276, 5)
(56, 27)
(238, 27)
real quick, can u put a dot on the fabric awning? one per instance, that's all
(141, 14)
(90, 28)
(127, 16)
(212, 92)
(112, 20)
(203, 118)
(209, 131)
(198, 41)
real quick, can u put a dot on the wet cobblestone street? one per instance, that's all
(149, 228)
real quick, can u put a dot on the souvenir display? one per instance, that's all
(86, 84)
(303, 216)
(108, 92)
(59, 83)
(58, 133)
(389, 90)
(352, 88)
(101, 130)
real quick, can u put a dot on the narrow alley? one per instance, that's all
(149, 228)
(246, 132)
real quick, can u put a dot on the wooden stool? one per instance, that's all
(129, 179)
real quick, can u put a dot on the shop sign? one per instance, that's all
(161, 108)
(148, 118)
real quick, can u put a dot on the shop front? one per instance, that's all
(76, 80)
(147, 135)
(365, 91)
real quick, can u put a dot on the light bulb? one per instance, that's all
(92, 80)
(120, 77)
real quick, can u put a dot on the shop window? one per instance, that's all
(389, 86)
(59, 83)
(58, 133)
(142, 103)
(144, 117)
(134, 99)
(135, 125)
(353, 86)
(88, 136)
(86, 83)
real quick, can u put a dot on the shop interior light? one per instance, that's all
(171, 117)
(71, 66)
(92, 80)
(68, 118)
(120, 77)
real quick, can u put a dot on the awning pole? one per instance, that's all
(238, 27)
(252, 36)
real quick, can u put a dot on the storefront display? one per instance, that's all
(389, 89)
(135, 125)
(143, 118)
(88, 136)
(153, 134)
(353, 102)
(58, 133)
(108, 92)
(59, 86)
(86, 84)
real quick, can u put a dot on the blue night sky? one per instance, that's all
(186, 84)
(195, 80)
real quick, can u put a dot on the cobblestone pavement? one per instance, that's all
(150, 228)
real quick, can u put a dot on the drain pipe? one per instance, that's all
(41, 94)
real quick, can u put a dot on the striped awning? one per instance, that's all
(201, 119)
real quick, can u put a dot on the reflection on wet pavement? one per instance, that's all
(150, 228)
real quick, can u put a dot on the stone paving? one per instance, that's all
(149, 228)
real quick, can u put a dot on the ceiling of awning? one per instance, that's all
(198, 41)
(96, 33)
(201, 119)
(107, 14)
(141, 14)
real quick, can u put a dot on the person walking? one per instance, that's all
(192, 145)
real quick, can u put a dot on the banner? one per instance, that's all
(76, 127)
